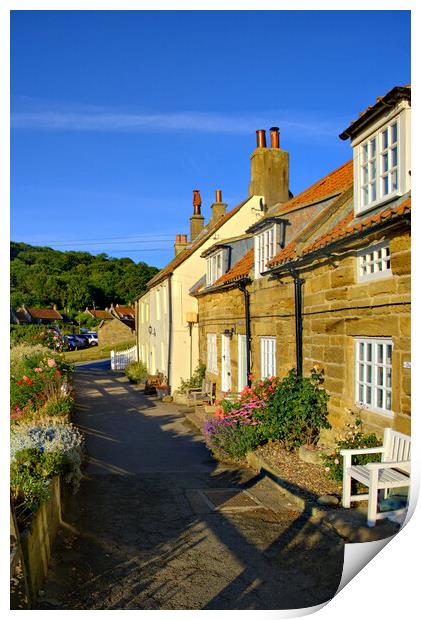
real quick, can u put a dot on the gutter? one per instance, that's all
(242, 286)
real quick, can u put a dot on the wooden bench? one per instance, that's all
(393, 472)
(205, 394)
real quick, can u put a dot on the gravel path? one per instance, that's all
(142, 532)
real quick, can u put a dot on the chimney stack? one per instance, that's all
(269, 169)
(197, 219)
(219, 208)
(180, 243)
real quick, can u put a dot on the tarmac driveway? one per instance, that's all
(158, 524)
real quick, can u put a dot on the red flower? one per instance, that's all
(27, 380)
(20, 382)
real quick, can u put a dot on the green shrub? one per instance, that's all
(30, 472)
(136, 372)
(36, 334)
(354, 438)
(296, 410)
(196, 379)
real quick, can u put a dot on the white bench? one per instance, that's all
(392, 472)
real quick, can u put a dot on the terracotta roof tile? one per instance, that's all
(241, 269)
(124, 310)
(336, 181)
(100, 314)
(288, 253)
(345, 227)
(45, 313)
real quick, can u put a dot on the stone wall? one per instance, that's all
(336, 309)
(115, 332)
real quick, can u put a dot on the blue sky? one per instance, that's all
(118, 115)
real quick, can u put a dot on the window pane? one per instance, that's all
(372, 147)
(373, 170)
(365, 152)
(365, 175)
(373, 192)
(389, 354)
(369, 351)
(380, 398)
(361, 351)
(388, 377)
(365, 196)
(389, 401)
(385, 185)
(361, 372)
(385, 159)
(395, 156)
(368, 395)
(380, 375)
(361, 394)
(368, 374)
(380, 353)
(394, 180)
(385, 142)
(394, 133)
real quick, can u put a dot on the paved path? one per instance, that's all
(142, 533)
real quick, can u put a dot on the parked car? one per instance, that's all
(91, 339)
(75, 341)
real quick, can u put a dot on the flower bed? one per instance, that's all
(43, 443)
(291, 410)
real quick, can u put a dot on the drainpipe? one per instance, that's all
(298, 283)
(169, 332)
(242, 287)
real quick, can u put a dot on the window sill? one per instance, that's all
(368, 409)
(360, 211)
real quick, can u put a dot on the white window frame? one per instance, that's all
(267, 356)
(158, 304)
(264, 249)
(373, 374)
(215, 266)
(212, 353)
(400, 116)
(374, 262)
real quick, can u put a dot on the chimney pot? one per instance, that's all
(261, 138)
(274, 137)
(178, 238)
(218, 194)
(197, 201)
(184, 239)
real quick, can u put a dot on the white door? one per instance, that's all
(226, 364)
(242, 362)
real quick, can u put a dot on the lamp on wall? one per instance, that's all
(229, 332)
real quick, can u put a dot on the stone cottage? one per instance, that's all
(327, 282)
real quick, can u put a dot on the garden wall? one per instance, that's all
(38, 541)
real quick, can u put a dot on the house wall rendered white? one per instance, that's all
(184, 353)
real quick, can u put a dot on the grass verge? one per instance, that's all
(95, 353)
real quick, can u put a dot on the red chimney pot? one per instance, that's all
(218, 194)
(274, 137)
(261, 138)
(184, 239)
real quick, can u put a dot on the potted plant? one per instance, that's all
(162, 390)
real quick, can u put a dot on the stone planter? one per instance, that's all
(38, 540)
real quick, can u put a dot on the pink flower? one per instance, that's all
(336, 461)
(38, 369)
(51, 362)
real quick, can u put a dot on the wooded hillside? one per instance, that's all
(41, 276)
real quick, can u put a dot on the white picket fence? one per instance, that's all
(120, 359)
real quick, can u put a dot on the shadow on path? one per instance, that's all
(141, 535)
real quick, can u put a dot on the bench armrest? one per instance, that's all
(390, 465)
(378, 450)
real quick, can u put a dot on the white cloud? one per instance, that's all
(89, 118)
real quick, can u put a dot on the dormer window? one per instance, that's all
(379, 156)
(264, 248)
(269, 238)
(381, 140)
(217, 264)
